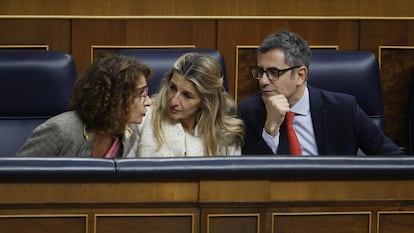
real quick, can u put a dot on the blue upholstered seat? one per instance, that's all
(351, 72)
(34, 85)
(162, 59)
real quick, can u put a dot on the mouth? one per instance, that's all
(173, 110)
(268, 91)
(267, 88)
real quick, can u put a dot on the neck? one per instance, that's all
(189, 126)
(297, 95)
(101, 144)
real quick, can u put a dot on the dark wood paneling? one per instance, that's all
(146, 192)
(397, 70)
(397, 75)
(56, 34)
(224, 223)
(150, 223)
(375, 33)
(294, 205)
(322, 222)
(42, 224)
(160, 33)
(396, 8)
(391, 222)
(245, 85)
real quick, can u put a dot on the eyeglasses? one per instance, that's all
(143, 94)
(143, 98)
(271, 73)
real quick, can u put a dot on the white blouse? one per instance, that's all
(178, 143)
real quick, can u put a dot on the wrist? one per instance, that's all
(272, 130)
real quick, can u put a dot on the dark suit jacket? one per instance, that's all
(341, 127)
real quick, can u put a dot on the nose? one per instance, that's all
(175, 99)
(265, 78)
(147, 101)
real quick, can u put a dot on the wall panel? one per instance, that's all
(396, 8)
(393, 43)
(397, 75)
(223, 223)
(326, 222)
(43, 223)
(145, 33)
(148, 223)
(56, 34)
(395, 221)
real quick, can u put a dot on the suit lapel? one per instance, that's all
(283, 148)
(319, 119)
(260, 114)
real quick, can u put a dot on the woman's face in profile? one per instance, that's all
(184, 100)
(139, 101)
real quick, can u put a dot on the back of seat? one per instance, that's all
(351, 72)
(162, 59)
(34, 85)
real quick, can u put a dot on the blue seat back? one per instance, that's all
(34, 85)
(161, 61)
(352, 72)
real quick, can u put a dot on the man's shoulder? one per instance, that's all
(328, 95)
(251, 107)
(254, 98)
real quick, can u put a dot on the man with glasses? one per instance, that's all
(326, 123)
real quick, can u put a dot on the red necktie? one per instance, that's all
(294, 145)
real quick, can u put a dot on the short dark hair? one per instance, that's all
(295, 48)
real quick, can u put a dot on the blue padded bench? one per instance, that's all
(272, 167)
(34, 85)
(83, 169)
(57, 168)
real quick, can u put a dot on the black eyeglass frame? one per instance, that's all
(270, 76)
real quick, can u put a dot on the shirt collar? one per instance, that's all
(302, 106)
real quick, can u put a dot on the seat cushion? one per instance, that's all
(34, 85)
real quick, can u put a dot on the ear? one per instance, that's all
(302, 74)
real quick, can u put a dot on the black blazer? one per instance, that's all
(340, 126)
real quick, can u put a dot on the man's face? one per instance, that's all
(286, 83)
